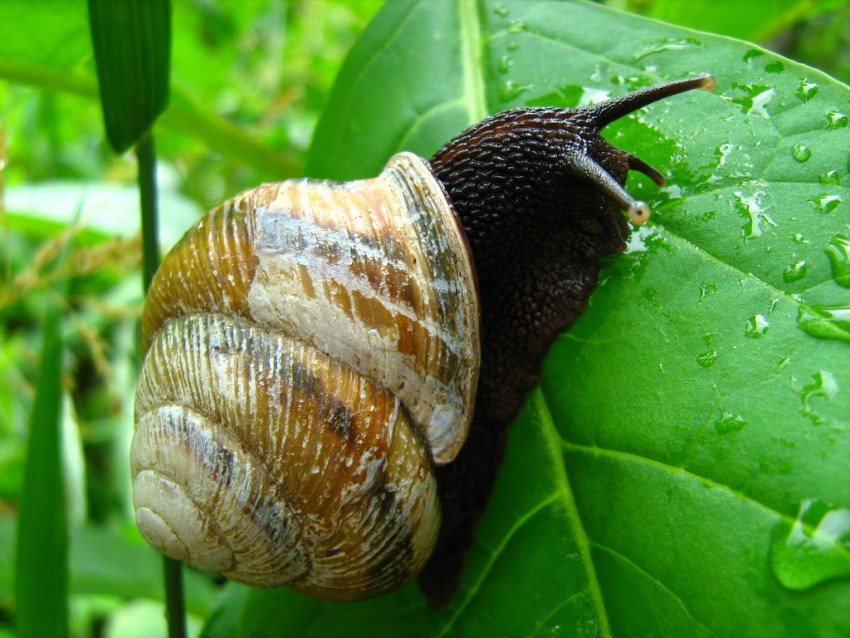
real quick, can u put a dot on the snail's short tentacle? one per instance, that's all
(586, 168)
(637, 164)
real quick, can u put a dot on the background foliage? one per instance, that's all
(249, 82)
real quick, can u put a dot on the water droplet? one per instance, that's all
(756, 98)
(824, 386)
(705, 289)
(836, 119)
(707, 359)
(512, 90)
(729, 422)
(775, 67)
(517, 26)
(812, 549)
(500, 11)
(751, 54)
(795, 272)
(825, 322)
(666, 44)
(799, 238)
(757, 327)
(806, 90)
(838, 252)
(505, 64)
(830, 178)
(751, 209)
(513, 46)
(723, 152)
(801, 152)
(784, 362)
(826, 203)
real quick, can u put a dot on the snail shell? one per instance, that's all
(312, 350)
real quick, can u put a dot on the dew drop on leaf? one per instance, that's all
(838, 252)
(706, 289)
(757, 327)
(830, 178)
(826, 203)
(512, 90)
(801, 152)
(729, 422)
(825, 322)
(666, 44)
(755, 99)
(517, 26)
(505, 64)
(707, 359)
(813, 548)
(836, 119)
(795, 272)
(806, 90)
(500, 11)
(823, 386)
(750, 208)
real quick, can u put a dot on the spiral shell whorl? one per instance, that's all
(311, 491)
(376, 272)
(312, 350)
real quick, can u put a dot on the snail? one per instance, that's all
(330, 368)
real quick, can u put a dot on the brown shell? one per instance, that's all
(311, 347)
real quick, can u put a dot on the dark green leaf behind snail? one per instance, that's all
(331, 367)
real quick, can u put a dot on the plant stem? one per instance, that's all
(175, 613)
(146, 154)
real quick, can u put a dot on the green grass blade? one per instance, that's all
(146, 153)
(42, 564)
(132, 48)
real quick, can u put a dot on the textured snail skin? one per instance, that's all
(539, 216)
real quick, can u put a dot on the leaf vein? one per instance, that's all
(656, 581)
(494, 555)
(555, 442)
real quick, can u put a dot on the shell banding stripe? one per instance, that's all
(376, 272)
(311, 350)
(312, 490)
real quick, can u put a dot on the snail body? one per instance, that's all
(318, 353)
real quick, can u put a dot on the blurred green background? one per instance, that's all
(265, 67)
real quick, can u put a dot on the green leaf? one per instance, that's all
(41, 569)
(112, 561)
(683, 469)
(27, 60)
(758, 21)
(132, 49)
